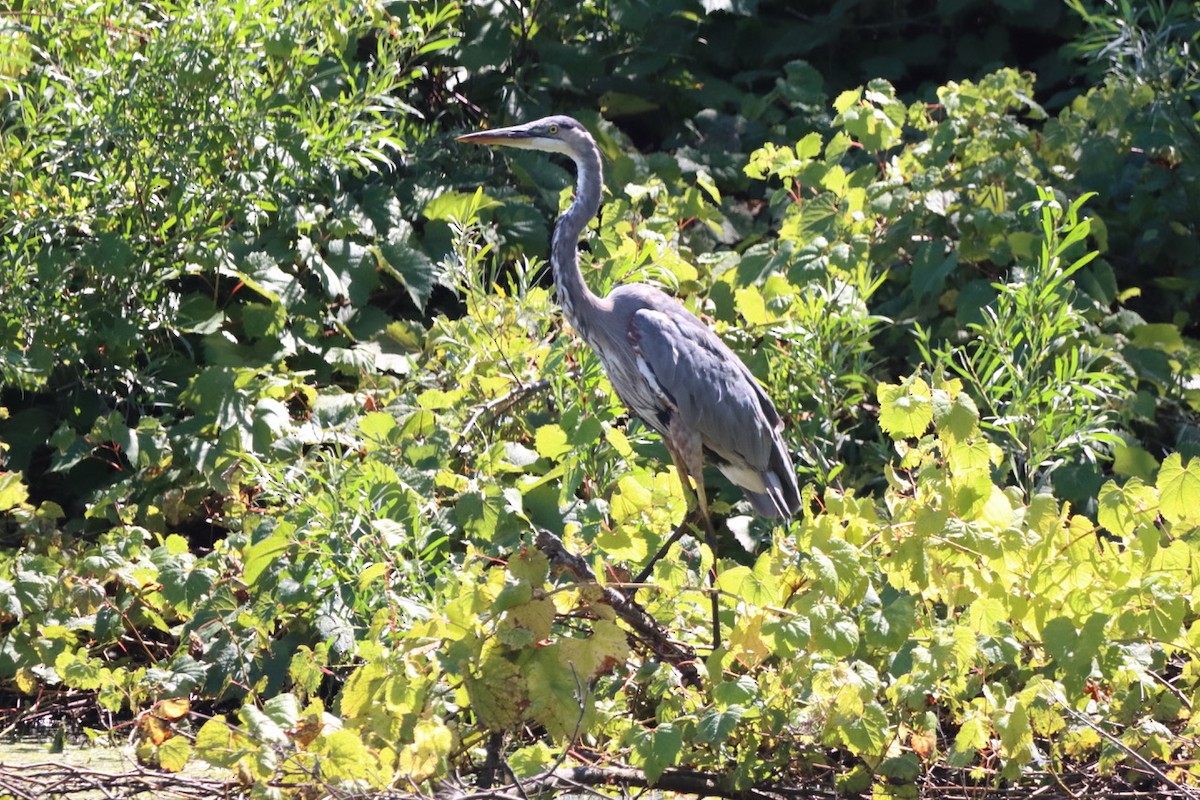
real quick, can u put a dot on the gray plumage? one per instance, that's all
(666, 365)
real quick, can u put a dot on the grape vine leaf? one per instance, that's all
(905, 410)
(1179, 490)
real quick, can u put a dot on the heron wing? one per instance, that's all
(708, 386)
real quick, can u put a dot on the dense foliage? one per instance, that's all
(285, 395)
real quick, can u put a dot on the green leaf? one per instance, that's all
(221, 745)
(659, 749)
(554, 693)
(427, 756)
(551, 442)
(283, 710)
(531, 760)
(459, 206)
(754, 587)
(837, 633)
(174, 754)
(971, 738)
(1122, 509)
(1179, 490)
(1016, 734)
(958, 421)
(906, 410)
(262, 726)
(262, 555)
(1158, 336)
(869, 733)
(717, 724)
(344, 758)
(932, 264)
(410, 266)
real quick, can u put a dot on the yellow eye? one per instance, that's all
(553, 129)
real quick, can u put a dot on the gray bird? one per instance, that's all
(666, 365)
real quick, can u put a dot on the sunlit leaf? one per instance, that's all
(905, 410)
(1179, 489)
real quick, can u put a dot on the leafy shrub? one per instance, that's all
(211, 341)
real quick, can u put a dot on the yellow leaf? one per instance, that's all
(12, 490)
(997, 511)
(172, 708)
(426, 757)
(752, 307)
(596, 654)
(536, 616)
(624, 543)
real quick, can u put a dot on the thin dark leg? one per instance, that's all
(711, 535)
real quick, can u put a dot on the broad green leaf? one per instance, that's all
(532, 621)
(221, 745)
(905, 411)
(1016, 734)
(531, 760)
(869, 733)
(174, 754)
(624, 543)
(752, 306)
(717, 724)
(283, 710)
(659, 749)
(809, 146)
(498, 693)
(554, 693)
(262, 726)
(551, 442)
(838, 635)
(598, 653)
(409, 265)
(740, 691)
(1122, 509)
(751, 586)
(1158, 336)
(344, 758)
(262, 555)
(971, 738)
(1179, 490)
(459, 206)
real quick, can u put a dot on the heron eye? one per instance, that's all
(553, 129)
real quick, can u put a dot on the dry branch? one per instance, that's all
(49, 779)
(647, 629)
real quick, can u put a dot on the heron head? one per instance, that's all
(557, 134)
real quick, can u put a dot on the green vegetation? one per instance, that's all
(285, 398)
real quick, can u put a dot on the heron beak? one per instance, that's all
(515, 136)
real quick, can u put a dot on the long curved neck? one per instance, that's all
(578, 303)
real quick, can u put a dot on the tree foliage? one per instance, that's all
(287, 399)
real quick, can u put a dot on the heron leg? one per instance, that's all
(711, 535)
(684, 447)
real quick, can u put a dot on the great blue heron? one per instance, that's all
(666, 365)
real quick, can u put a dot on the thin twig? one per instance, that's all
(1124, 748)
